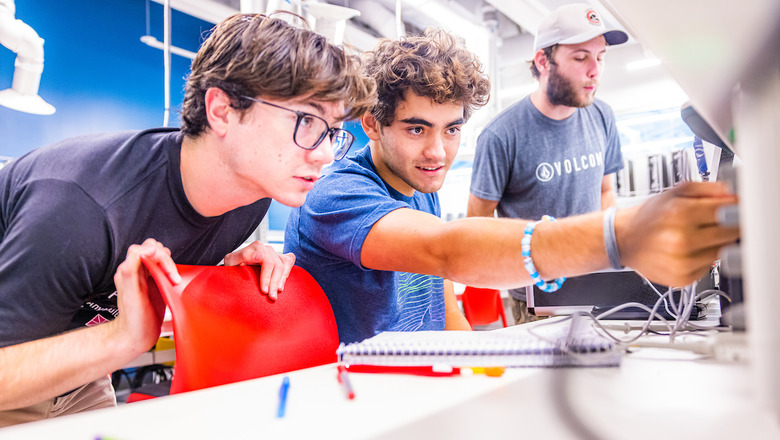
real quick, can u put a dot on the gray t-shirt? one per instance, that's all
(533, 165)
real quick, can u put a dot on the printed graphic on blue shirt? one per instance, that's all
(417, 298)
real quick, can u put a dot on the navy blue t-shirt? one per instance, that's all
(327, 233)
(68, 213)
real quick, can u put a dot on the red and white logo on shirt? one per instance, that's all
(96, 320)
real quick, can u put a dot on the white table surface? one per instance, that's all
(655, 393)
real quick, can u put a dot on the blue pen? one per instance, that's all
(283, 397)
(701, 160)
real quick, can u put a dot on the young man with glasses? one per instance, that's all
(77, 217)
(370, 231)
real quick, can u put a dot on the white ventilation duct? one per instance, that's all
(377, 17)
(330, 20)
(21, 39)
(293, 6)
(326, 19)
(252, 6)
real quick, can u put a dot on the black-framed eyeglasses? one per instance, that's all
(310, 131)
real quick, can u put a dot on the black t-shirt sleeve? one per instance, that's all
(56, 246)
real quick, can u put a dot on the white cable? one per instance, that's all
(670, 292)
(723, 347)
(680, 325)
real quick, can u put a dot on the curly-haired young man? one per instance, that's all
(427, 88)
(370, 233)
(261, 112)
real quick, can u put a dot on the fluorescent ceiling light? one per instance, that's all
(643, 64)
(21, 39)
(157, 44)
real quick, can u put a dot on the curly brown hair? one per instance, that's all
(435, 65)
(256, 55)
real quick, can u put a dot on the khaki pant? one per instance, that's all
(94, 395)
(520, 311)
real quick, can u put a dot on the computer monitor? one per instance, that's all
(731, 74)
(600, 291)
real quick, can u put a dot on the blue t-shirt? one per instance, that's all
(533, 165)
(326, 234)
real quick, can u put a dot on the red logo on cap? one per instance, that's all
(593, 17)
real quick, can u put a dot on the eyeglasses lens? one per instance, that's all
(341, 140)
(309, 131)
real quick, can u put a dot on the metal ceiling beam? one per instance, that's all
(215, 11)
(207, 10)
(526, 13)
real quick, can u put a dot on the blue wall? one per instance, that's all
(97, 73)
(278, 213)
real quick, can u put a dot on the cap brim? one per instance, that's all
(612, 38)
(615, 36)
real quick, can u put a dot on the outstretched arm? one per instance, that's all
(675, 237)
(672, 239)
(34, 371)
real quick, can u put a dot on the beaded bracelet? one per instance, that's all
(529, 262)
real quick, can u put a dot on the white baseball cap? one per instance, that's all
(574, 23)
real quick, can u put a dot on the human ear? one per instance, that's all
(370, 126)
(541, 61)
(217, 110)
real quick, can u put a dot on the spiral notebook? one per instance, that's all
(554, 346)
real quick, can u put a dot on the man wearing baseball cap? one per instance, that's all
(552, 152)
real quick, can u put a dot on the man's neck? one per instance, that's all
(210, 191)
(542, 103)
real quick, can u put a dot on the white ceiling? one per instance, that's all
(514, 22)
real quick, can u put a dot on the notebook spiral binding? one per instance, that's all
(481, 349)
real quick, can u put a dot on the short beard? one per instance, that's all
(561, 92)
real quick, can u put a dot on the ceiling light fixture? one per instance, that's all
(21, 39)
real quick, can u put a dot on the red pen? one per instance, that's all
(441, 370)
(344, 380)
(423, 370)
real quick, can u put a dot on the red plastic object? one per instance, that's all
(226, 330)
(482, 306)
(137, 397)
